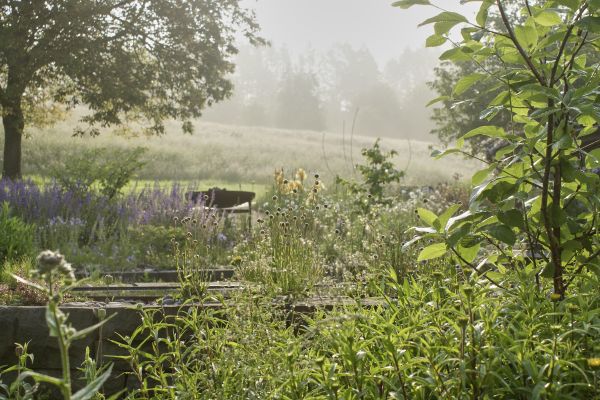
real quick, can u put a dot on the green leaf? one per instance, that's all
(488, 130)
(466, 82)
(590, 23)
(548, 18)
(481, 175)
(51, 321)
(428, 217)
(41, 378)
(29, 283)
(404, 4)
(527, 35)
(432, 252)
(502, 233)
(93, 387)
(456, 55)
(437, 100)
(594, 5)
(435, 41)
(446, 16)
(84, 332)
(572, 4)
(468, 253)
(512, 218)
(446, 215)
(437, 154)
(482, 14)
(548, 271)
(411, 242)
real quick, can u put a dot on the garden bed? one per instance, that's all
(28, 325)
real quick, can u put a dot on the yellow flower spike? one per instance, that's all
(593, 363)
(301, 174)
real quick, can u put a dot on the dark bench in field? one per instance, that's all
(227, 201)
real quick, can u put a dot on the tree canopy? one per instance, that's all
(137, 60)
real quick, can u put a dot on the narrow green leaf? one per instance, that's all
(432, 252)
(411, 242)
(93, 387)
(437, 100)
(437, 154)
(84, 332)
(29, 283)
(41, 378)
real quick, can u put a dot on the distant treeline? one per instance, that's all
(325, 91)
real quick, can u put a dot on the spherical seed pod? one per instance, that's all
(101, 313)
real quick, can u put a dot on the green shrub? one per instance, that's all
(108, 170)
(377, 174)
(16, 237)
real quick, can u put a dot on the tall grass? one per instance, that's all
(238, 154)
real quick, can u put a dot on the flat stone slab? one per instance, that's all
(216, 274)
(148, 292)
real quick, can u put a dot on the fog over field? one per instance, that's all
(333, 65)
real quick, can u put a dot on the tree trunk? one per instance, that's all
(14, 123)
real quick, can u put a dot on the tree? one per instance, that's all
(534, 207)
(298, 103)
(124, 59)
(462, 111)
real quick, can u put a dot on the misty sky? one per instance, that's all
(385, 30)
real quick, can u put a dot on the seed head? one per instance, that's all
(48, 261)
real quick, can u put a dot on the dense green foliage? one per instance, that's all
(108, 170)
(535, 205)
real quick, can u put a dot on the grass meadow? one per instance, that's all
(218, 154)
